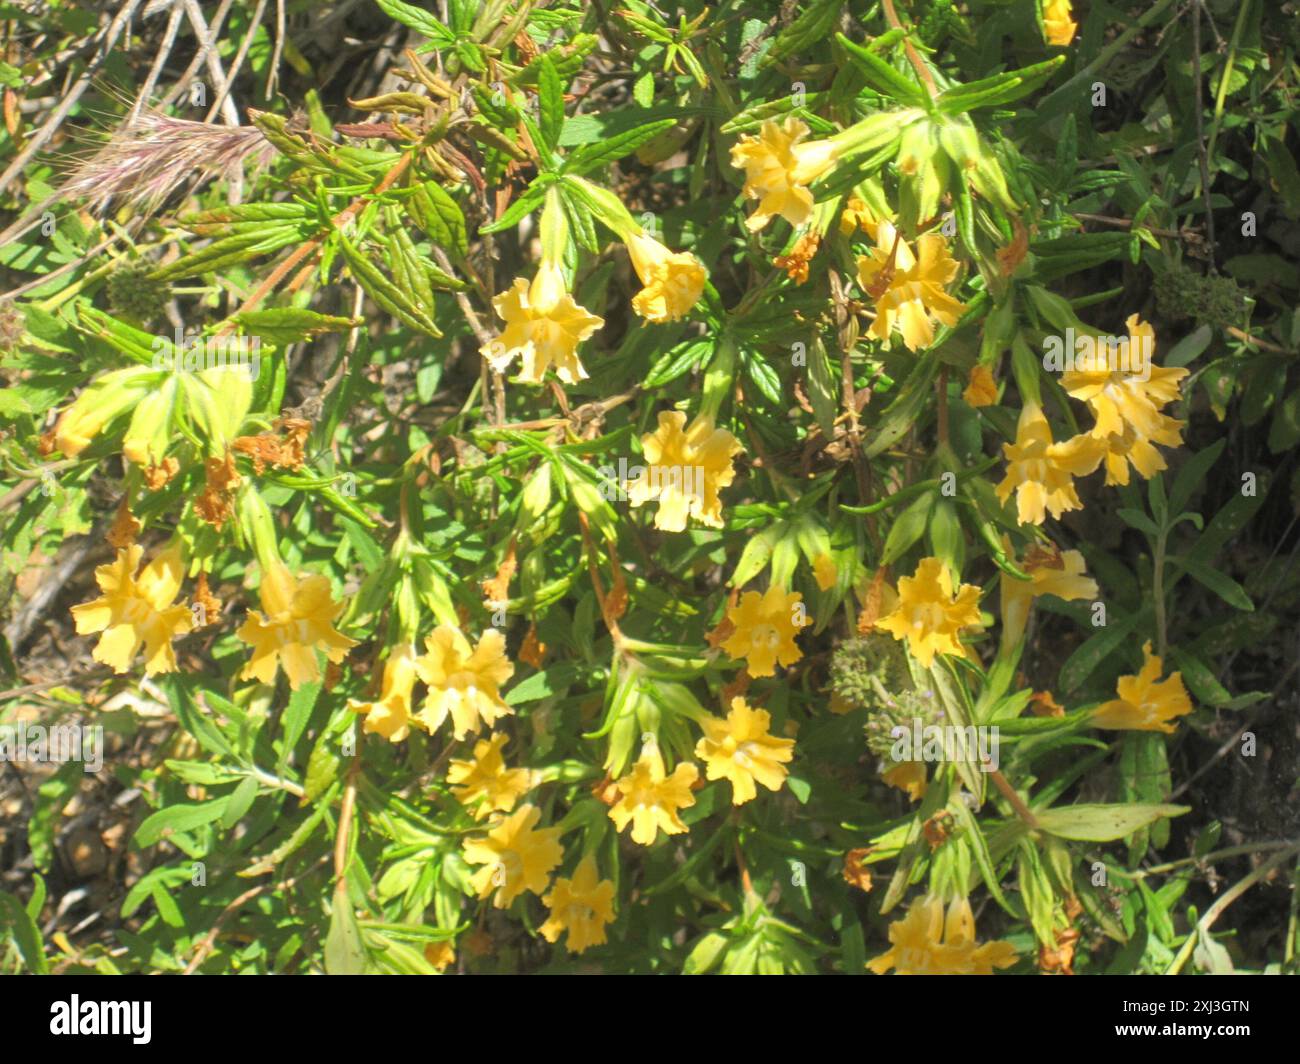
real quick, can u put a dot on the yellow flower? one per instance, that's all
(908, 776)
(299, 619)
(582, 906)
(673, 282)
(1143, 703)
(1128, 447)
(981, 388)
(924, 943)
(487, 777)
(136, 611)
(928, 615)
(390, 716)
(741, 750)
(777, 169)
(687, 467)
(825, 572)
(857, 215)
(107, 398)
(544, 326)
(907, 289)
(651, 799)
(462, 682)
(1042, 472)
(1057, 24)
(1054, 572)
(515, 857)
(765, 627)
(1126, 400)
(440, 954)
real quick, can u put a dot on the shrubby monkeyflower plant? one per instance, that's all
(893, 618)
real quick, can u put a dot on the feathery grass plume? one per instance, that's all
(150, 157)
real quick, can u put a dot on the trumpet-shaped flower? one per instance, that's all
(1145, 702)
(981, 388)
(1058, 27)
(778, 168)
(908, 289)
(299, 620)
(928, 614)
(390, 714)
(764, 627)
(543, 327)
(674, 281)
(741, 750)
(486, 777)
(582, 906)
(1042, 472)
(464, 683)
(1126, 391)
(516, 856)
(925, 943)
(136, 611)
(651, 800)
(687, 467)
(1054, 572)
(909, 777)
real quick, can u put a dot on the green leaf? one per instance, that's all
(27, 937)
(880, 75)
(179, 818)
(999, 90)
(439, 216)
(417, 19)
(286, 325)
(240, 800)
(384, 292)
(345, 953)
(1220, 583)
(1103, 823)
(551, 102)
(1084, 661)
(593, 156)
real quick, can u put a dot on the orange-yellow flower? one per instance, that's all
(1041, 472)
(1143, 703)
(741, 750)
(136, 611)
(981, 388)
(908, 289)
(651, 799)
(390, 715)
(909, 777)
(1126, 390)
(486, 777)
(582, 906)
(1054, 572)
(925, 943)
(674, 281)
(516, 856)
(107, 398)
(764, 629)
(928, 614)
(440, 954)
(687, 466)
(463, 682)
(299, 620)
(857, 214)
(825, 572)
(1057, 25)
(778, 168)
(544, 325)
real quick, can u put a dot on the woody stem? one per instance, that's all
(1016, 802)
(913, 56)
